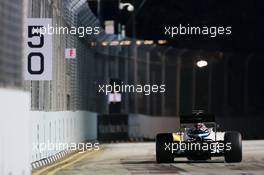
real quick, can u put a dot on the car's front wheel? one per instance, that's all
(163, 154)
(233, 151)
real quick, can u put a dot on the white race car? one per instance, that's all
(198, 139)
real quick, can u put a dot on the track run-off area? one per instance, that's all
(139, 158)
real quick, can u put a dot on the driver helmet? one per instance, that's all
(199, 126)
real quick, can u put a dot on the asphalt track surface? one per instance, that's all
(139, 158)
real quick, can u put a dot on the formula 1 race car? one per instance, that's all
(198, 139)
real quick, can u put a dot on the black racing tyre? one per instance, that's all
(162, 155)
(235, 153)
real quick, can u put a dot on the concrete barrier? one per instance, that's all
(143, 126)
(23, 131)
(147, 127)
(51, 130)
(14, 132)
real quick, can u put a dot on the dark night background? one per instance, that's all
(245, 43)
(245, 17)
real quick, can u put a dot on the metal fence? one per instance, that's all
(224, 87)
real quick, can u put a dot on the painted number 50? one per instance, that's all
(38, 43)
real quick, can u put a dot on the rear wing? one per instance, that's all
(197, 118)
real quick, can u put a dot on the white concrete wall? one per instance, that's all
(20, 128)
(143, 126)
(64, 127)
(14, 132)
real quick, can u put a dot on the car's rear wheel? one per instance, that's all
(163, 154)
(234, 152)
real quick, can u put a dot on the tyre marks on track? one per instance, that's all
(147, 165)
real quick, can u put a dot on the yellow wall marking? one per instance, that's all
(52, 169)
